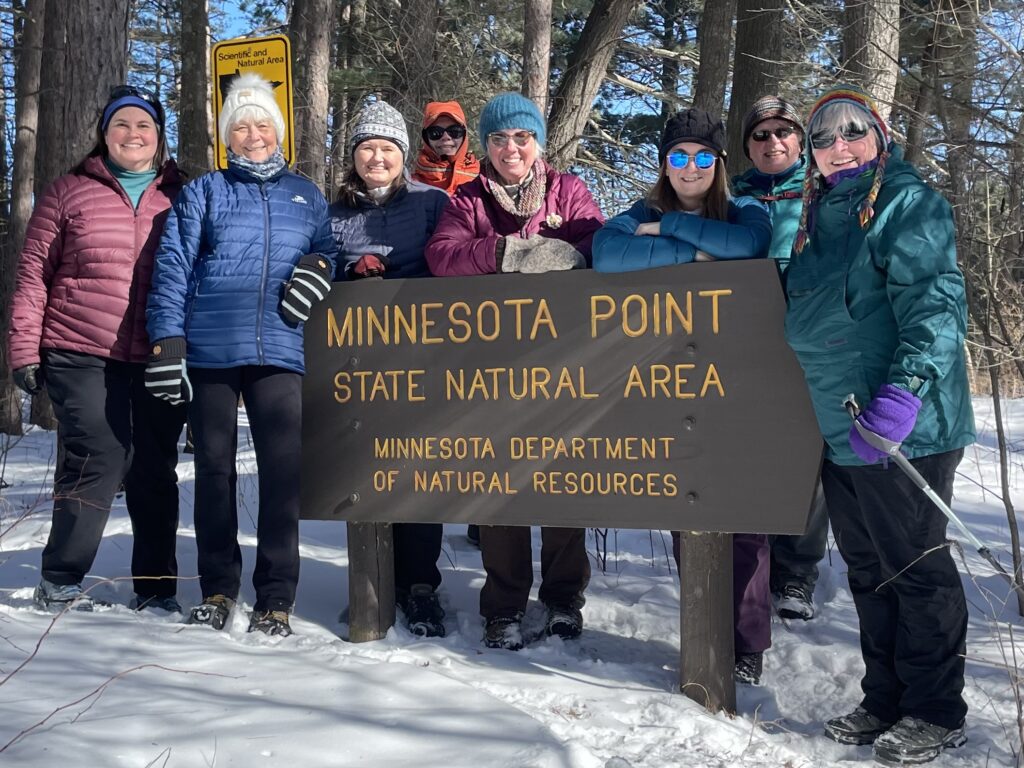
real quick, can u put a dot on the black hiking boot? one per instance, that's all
(424, 615)
(564, 621)
(212, 612)
(62, 597)
(912, 742)
(748, 668)
(795, 603)
(169, 604)
(505, 632)
(859, 727)
(270, 623)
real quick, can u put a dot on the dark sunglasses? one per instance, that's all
(703, 159)
(435, 132)
(120, 91)
(849, 132)
(779, 133)
(501, 140)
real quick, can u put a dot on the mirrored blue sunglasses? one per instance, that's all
(703, 159)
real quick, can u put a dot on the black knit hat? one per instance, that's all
(694, 125)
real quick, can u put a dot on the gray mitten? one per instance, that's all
(539, 254)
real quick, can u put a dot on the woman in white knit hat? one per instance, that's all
(246, 253)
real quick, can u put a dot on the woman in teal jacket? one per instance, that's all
(876, 307)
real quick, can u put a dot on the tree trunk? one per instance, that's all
(756, 70)
(584, 73)
(537, 52)
(195, 134)
(871, 40)
(415, 79)
(311, 53)
(29, 59)
(715, 40)
(671, 34)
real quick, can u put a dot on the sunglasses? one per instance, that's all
(435, 132)
(501, 140)
(849, 133)
(779, 133)
(703, 159)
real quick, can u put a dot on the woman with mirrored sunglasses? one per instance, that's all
(444, 160)
(689, 216)
(78, 327)
(876, 307)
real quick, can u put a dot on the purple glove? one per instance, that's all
(891, 416)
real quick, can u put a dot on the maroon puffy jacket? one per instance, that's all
(86, 266)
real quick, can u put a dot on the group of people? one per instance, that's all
(140, 298)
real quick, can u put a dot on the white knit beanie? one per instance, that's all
(250, 90)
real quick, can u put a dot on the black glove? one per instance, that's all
(29, 378)
(310, 283)
(166, 377)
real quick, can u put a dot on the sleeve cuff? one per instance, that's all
(164, 349)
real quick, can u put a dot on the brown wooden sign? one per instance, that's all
(664, 398)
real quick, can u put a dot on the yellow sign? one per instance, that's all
(269, 57)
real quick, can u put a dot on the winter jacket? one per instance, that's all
(465, 240)
(396, 231)
(230, 244)
(746, 235)
(783, 194)
(882, 305)
(86, 266)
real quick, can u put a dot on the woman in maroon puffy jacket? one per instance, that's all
(78, 327)
(520, 215)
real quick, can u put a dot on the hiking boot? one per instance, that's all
(505, 632)
(473, 534)
(564, 621)
(748, 668)
(212, 612)
(794, 602)
(169, 604)
(912, 742)
(270, 623)
(859, 727)
(424, 615)
(62, 596)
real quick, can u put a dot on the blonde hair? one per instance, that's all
(663, 197)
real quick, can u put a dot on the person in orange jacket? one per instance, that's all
(444, 160)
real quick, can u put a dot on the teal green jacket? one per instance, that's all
(783, 196)
(886, 304)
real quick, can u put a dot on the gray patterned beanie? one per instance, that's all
(379, 120)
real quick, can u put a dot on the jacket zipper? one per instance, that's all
(266, 267)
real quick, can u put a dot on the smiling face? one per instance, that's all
(855, 141)
(773, 154)
(253, 138)
(512, 162)
(690, 183)
(378, 162)
(132, 139)
(445, 146)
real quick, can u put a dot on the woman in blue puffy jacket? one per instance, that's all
(690, 216)
(244, 256)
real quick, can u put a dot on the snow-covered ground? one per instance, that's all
(116, 688)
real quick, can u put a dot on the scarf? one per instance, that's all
(530, 192)
(269, 168)
(446, 173)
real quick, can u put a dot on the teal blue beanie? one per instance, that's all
(512, 111)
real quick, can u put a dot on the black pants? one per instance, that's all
(417, 548)
(795, 558)
(110, 430)
(507, 556)
(273, 401)
(911, 606)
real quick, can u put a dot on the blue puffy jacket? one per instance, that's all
(230, 244)
(746, 235)
(396, 231)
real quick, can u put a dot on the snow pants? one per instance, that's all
(751, 598)
(795, 558)
(909, 598)
(111, 430)
(508, 560)
(273, 402)
(417, 548)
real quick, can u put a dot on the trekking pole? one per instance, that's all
(892, 450)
